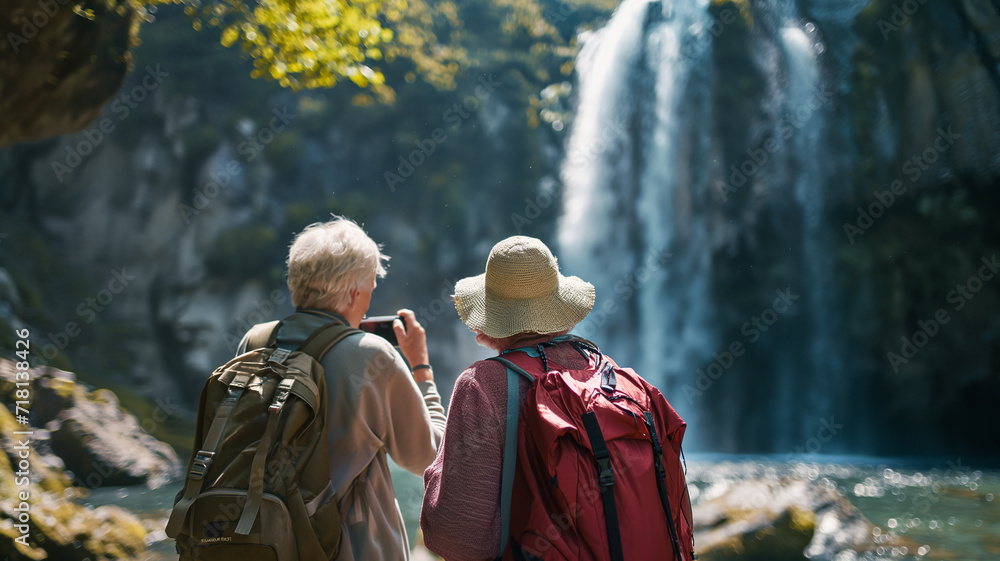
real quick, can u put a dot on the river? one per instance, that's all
(950, 510)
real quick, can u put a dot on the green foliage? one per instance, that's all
(307, 44)
(740, 6)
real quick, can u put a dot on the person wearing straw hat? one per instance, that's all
(521, 300)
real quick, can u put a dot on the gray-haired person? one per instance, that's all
(377, 406)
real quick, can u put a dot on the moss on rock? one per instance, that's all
(39, 520)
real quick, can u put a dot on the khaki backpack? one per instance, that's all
(258, 484)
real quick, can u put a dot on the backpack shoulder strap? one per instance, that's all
(318, 343)
(202, 460)
(260, 336)
(512, 366)
(324, 338)
(510, 446)
(661, 476)
(606, 480)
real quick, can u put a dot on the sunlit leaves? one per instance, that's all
(318, 43)
(305, 44)
(230, 35)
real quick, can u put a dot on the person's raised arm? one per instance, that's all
(412, 340)
(415, 418)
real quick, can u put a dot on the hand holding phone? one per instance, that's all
(382, 326)
(410, 338)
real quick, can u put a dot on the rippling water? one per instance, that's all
(945, 508)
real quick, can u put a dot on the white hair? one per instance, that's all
(329, 259)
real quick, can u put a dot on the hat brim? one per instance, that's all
(497, 317)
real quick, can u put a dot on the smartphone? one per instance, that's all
(382, 326)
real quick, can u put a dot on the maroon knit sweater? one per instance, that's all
(460, 517)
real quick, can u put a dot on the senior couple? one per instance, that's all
(521, 300)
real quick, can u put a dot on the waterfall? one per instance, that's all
(634, 220)
(809, 95)
(642, 219)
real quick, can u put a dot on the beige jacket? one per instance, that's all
(376, 408)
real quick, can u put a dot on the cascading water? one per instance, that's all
(813, 389)
(634, 222)
(643, 220)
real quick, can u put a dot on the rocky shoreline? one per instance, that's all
(64, 441)
(82, 479)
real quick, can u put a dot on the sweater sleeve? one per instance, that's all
(414, 417)
(460, 517)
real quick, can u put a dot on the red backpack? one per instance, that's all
(595, 473)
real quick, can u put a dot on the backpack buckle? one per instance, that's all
(608, 379)
(232, 396)
(202, 460)
(236, 387)
(661, 473)
(651, 427)
(279, 355)
(281, 394)
(605, 475)
(279, 399)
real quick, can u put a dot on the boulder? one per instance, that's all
(755, 520)
(37, 521)
(59, 63)
(771, 519)
(96, 439)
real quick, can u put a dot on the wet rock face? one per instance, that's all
(60, 65)
(769, 519)
(754, 521)
(91, 434)
(36, 519)
(104, 446)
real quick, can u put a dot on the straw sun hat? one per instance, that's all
(522, 291)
